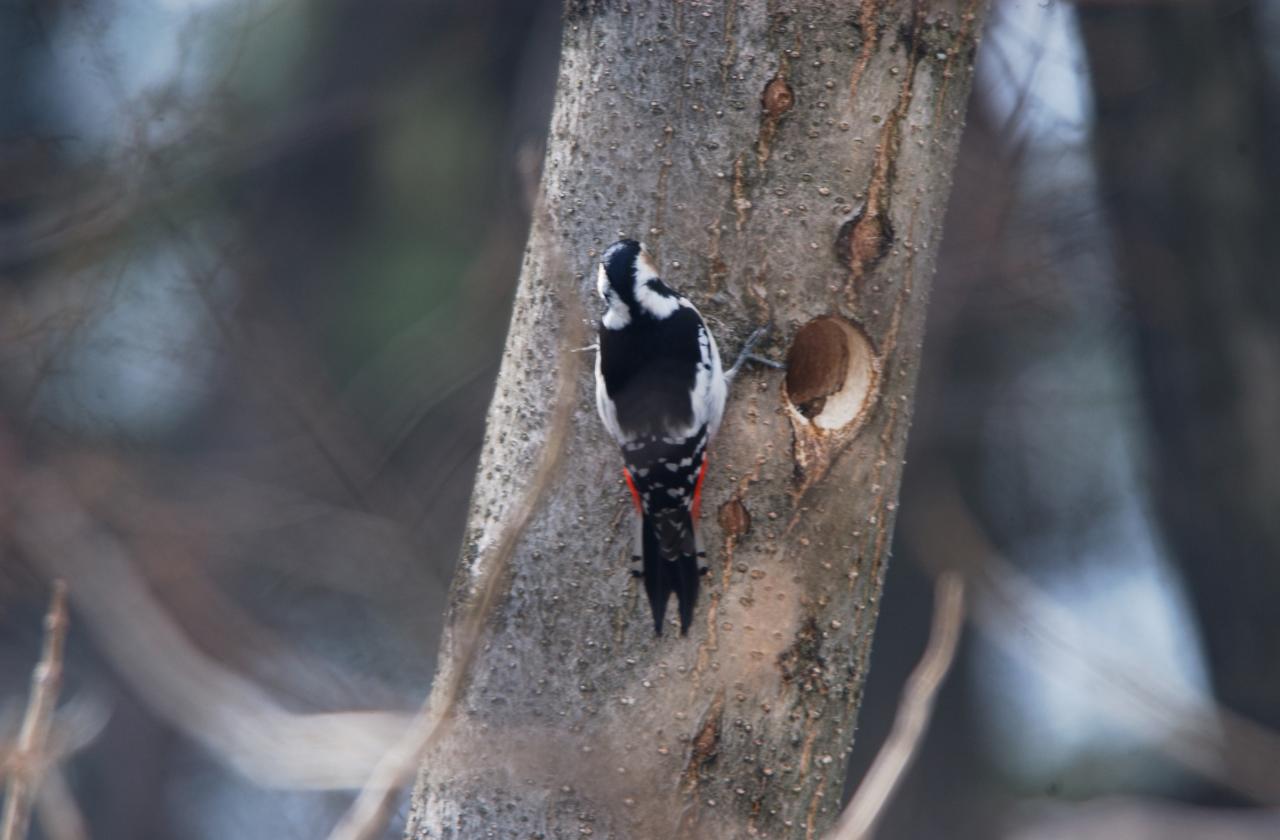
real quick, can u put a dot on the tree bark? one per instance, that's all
(785, 165)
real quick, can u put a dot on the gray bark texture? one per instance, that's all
(786, 164)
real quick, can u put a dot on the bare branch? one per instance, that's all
(1010, 608)
(865, 809)
(1124, 817)
(229, 715)
(369, 813)
(56, 808)
(28, 760)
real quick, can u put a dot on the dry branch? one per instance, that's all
(230, 716)
(867, 806)
(27, 762)
(368, 814)
(1196, 732)
(57, 810)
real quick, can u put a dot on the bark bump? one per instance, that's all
(863, 241)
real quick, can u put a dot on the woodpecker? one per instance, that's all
(660, 391)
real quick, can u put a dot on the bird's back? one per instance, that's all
(650, 374)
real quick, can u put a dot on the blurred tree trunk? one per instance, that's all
(1190, 173)
(787, 165)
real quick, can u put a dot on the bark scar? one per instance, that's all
(741, 204)
(777, 99)
(706, 744)
(869, 234)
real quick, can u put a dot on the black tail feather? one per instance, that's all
(670, 560)
(686, 572)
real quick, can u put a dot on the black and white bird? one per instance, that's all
(660, 390)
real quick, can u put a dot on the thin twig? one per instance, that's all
(233, 717)
(56, 809)
(369, 813)
(867, 806)
(1010, 609)
(27, 762)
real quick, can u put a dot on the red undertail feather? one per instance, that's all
(631, 485)
(697, 491)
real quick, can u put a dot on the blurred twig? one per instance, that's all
(369, 813)
(81, 217)
(231, 716)
(1124, 818)
(1009, 608)
(27, 762)
(57, 810)
(867, 806)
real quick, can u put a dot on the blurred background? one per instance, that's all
(256, 260)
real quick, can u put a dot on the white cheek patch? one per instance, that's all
(616, 316)
(658, 305)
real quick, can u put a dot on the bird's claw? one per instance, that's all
(745, 354)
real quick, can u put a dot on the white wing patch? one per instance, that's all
(606, 409)
(709, 391)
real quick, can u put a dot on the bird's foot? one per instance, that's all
(746, 355)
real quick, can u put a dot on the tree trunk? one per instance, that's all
(785, 165)
(1190, 168)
